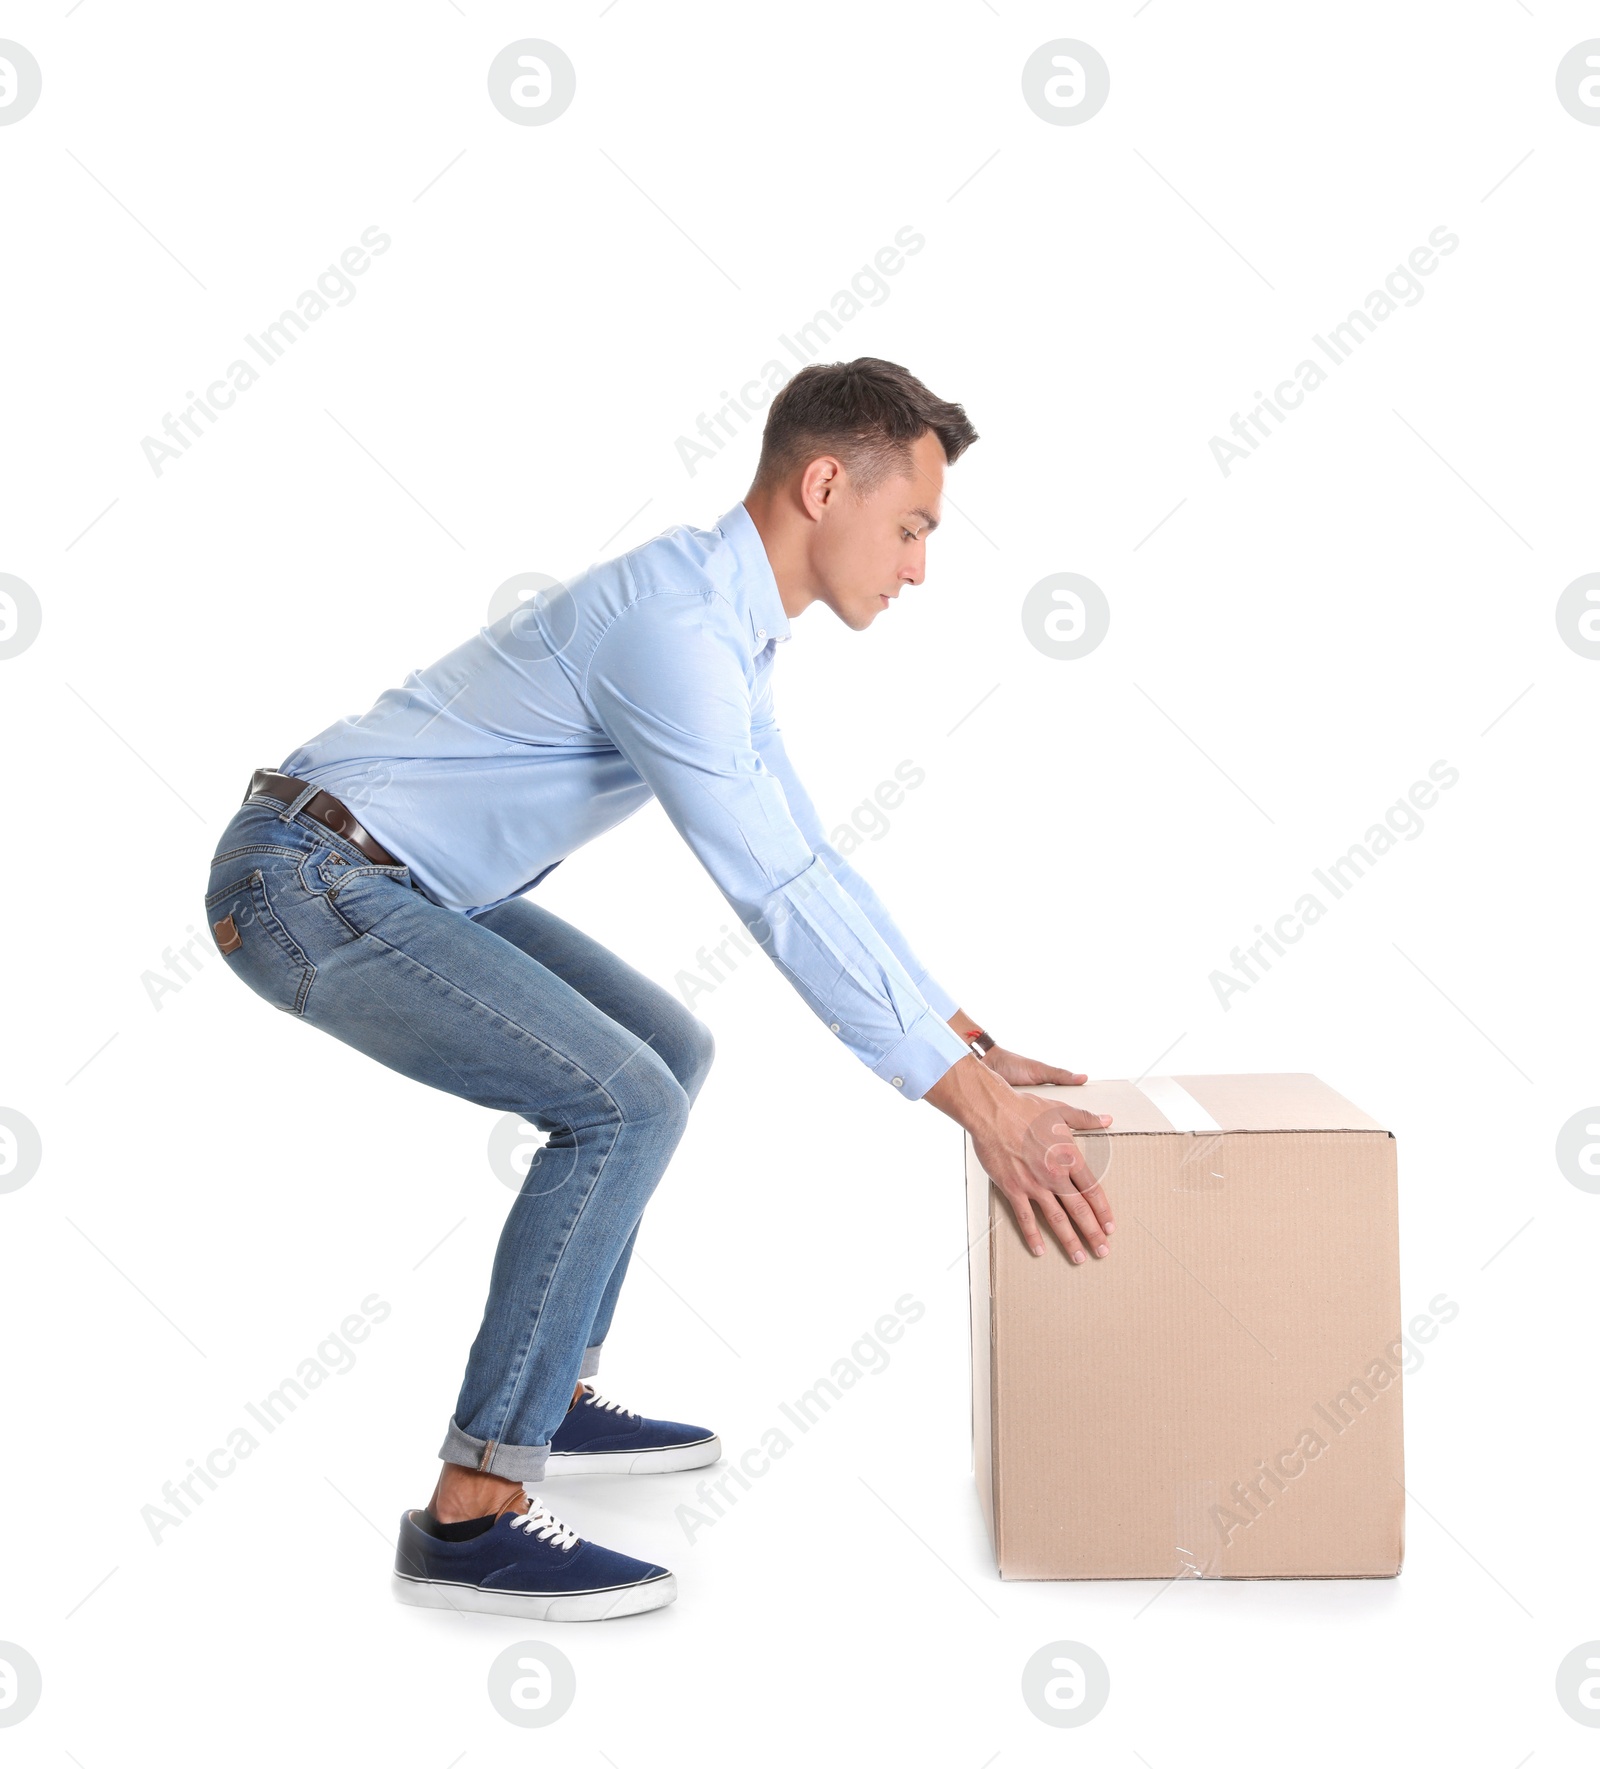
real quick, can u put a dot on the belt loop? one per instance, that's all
(303, 798)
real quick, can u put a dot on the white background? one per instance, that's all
(1289, 650)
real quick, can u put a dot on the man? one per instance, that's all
(375, 886)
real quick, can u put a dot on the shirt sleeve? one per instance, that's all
(670, 683)
(769, 746)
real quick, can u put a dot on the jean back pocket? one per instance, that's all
(256, 945)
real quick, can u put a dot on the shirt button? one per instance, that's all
(899, 1081)
(761, 632)
(834, 1027)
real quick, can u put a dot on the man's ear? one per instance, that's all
(820, 483)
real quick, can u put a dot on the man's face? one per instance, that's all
(866, 550)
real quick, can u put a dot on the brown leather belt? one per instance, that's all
(324, 809)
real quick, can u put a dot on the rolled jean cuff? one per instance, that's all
(590, 1365)
(511, 1461)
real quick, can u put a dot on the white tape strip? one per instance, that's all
(1176, 1104)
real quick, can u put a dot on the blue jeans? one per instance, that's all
(517, 1011)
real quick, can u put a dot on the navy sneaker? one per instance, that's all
(528, 1565)
(600, 1437)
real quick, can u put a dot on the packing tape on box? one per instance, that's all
(1176, 1104)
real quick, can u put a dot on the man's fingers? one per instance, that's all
(1065, 1193)
(1095, 1197)
(1053, 1116)
(1053, 1120)
(1050, 1209)
(1068, 1166)
(1023, 1211)
(1092, 1191)
(1085, 1220)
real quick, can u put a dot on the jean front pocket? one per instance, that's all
(322, 870)
(367, 896)
(256, 944)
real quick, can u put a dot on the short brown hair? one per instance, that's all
(868, 412)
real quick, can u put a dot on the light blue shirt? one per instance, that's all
(649, 675)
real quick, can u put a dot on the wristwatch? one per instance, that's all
(980, 1041)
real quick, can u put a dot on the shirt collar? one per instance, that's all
(764, 612)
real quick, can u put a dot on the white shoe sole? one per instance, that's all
(574, 1606)
(664, 1461)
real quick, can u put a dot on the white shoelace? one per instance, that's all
(608, 1406)
(538, 1520)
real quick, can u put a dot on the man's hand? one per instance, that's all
(1024, 1143)
(1027, 1071)
(1017, 1071)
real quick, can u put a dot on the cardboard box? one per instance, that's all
(1220, 1397)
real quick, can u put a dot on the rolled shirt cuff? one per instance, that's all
(929, 1050)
